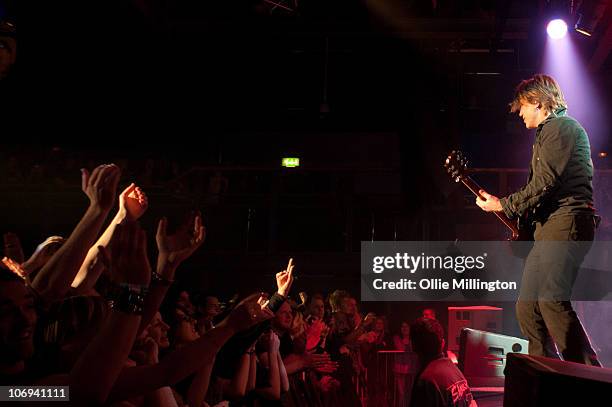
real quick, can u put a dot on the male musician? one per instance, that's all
(558, 198)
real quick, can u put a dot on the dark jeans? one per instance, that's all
(544, 309)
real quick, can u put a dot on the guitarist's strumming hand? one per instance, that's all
(488, 202)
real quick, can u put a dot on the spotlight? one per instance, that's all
(582, 27)
(603, 154)
(556, 29)
(589, 14)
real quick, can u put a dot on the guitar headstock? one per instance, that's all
(456, 165)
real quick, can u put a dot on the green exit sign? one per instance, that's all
(291, 162)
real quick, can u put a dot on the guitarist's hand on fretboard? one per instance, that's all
(457, 167)
(488, 202)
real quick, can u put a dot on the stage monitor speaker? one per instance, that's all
(481, 317)
(482, 356)
(535, 381)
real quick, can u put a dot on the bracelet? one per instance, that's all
(158, 279)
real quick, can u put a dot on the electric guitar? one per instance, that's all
(457, 167)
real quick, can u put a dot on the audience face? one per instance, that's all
(185, 330)
(405, 330)
(158, 330)
(284, 317)
(429, 313)
(379, 325)
(17, 322)
(349, 306)
(184, 301)
(213, 307)
(317, 308)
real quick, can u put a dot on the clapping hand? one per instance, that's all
(176, 248)
(133, 202)
(101, 186)
(321, 362)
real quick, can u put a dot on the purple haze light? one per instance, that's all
(556, 29)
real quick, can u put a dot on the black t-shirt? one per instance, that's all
(442, 384)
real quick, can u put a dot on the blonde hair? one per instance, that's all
(541, 89)
(336, 298)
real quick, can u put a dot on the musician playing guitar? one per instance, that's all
(559, 200)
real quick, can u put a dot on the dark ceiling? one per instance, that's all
(249, 64)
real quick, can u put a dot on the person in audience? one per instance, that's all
(95, 359)
(90, 312)
(429, 313)
(405, 365)
(208, 311)
(374, 341)
(343, 345)
(315, 307)
(439, 383)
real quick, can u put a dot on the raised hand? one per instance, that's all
(314, 331)
(284, 279)
(127, 258)
(320, 362)
(247, 313)
(175, 248)
(101, 186)
(15, 267)
(133, 202)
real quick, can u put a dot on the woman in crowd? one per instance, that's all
(405, 366)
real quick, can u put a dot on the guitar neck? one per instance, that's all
(475, 188)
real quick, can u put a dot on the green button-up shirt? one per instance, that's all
(560, 174)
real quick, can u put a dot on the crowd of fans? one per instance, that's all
(90, 312)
